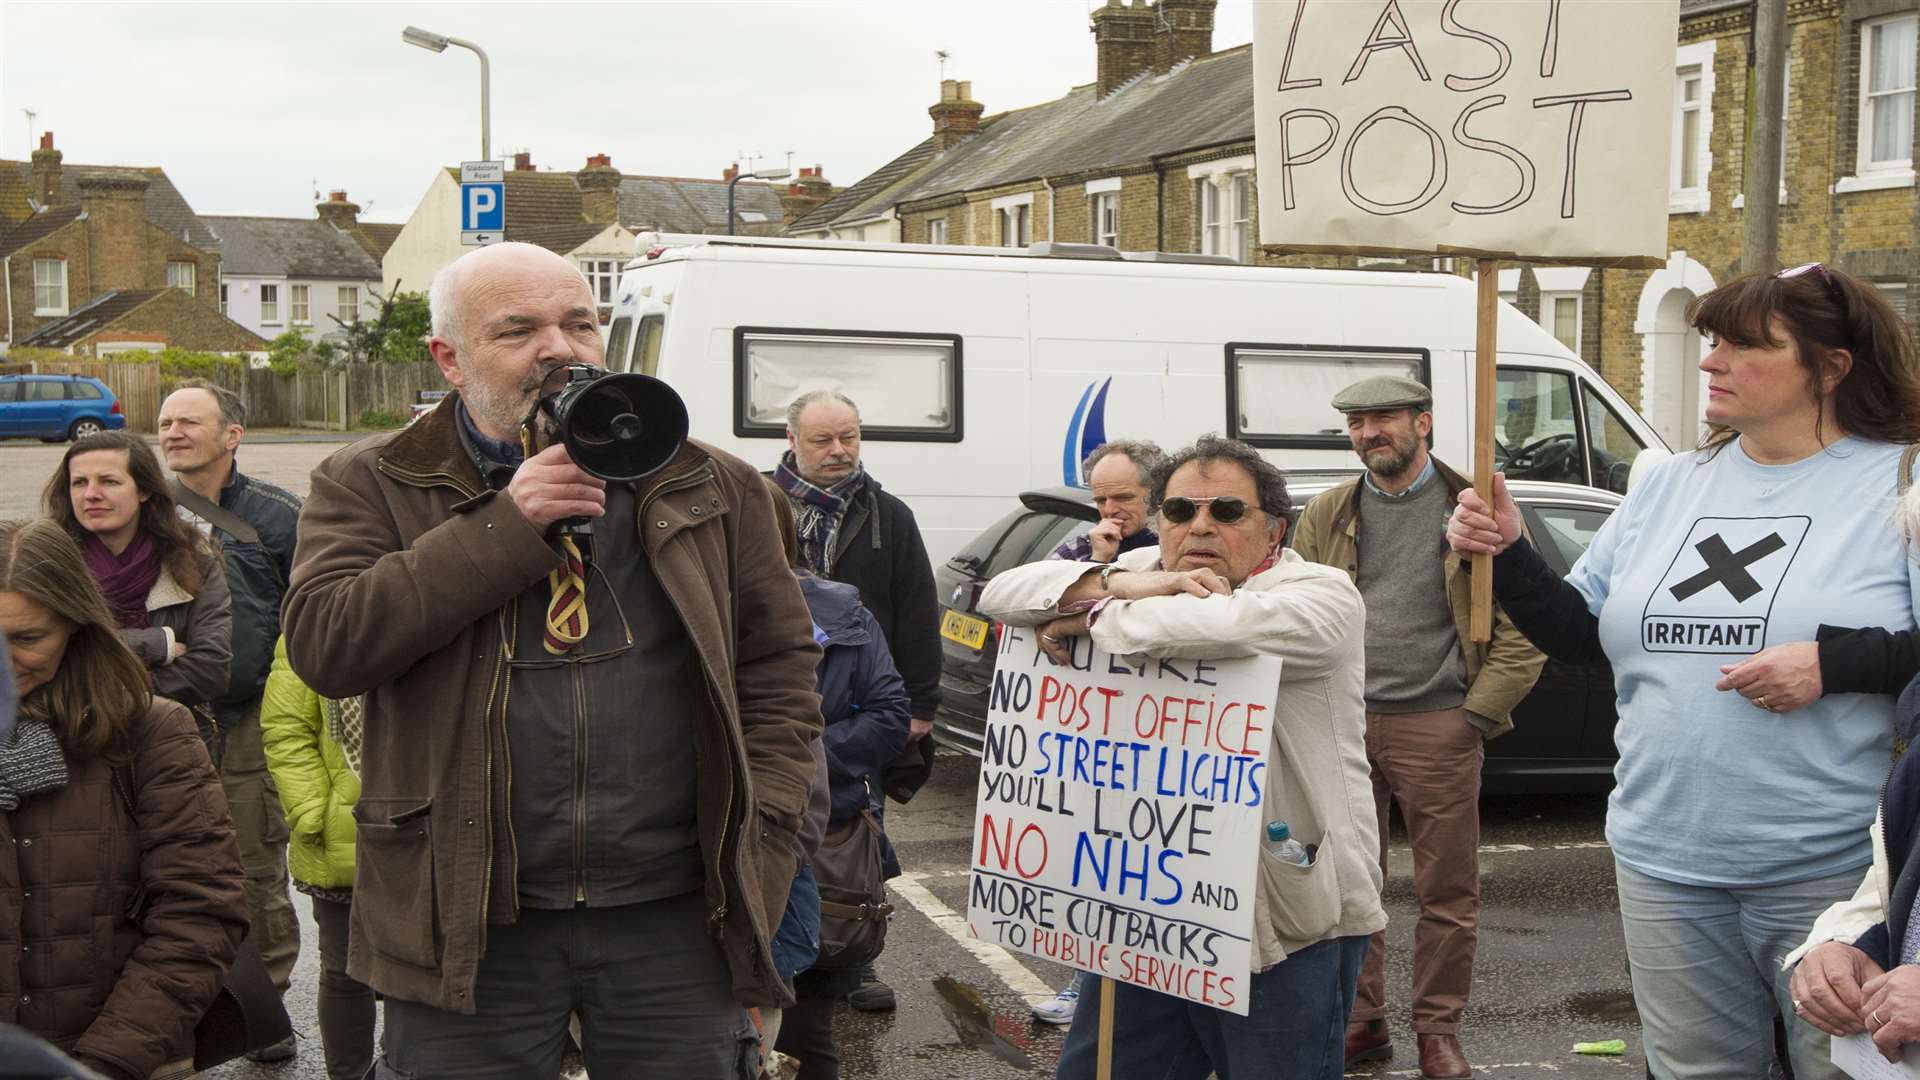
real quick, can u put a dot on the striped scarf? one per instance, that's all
(31, 762)
(818, 513)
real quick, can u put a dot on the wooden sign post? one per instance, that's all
(1103, 1047)
(1441, 128)
(1485, 340)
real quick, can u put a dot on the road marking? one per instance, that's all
(998, 960)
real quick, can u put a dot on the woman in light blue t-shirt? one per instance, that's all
(1733, 822)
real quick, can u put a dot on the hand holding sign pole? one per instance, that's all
(1497, 131)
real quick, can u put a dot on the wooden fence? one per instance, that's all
(335, 399)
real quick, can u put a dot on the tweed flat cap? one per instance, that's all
(1383, 392)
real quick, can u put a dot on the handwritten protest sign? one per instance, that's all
(1479, 127)
(1119, 815)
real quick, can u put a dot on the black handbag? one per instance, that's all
(854, 909)
(247, 1014)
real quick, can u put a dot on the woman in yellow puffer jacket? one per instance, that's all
(313, 751)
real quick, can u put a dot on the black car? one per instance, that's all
(1562, 738)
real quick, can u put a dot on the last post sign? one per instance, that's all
(1119, 815)
(1493, 128)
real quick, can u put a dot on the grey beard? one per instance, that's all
(1393, 464)
(500, 411)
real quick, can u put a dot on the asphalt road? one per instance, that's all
(1551, 962)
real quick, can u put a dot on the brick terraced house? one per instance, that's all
(1158, 154)
(102, 258)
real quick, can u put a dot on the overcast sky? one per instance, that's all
(251, 108)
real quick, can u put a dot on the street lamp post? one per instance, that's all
(432, 42)
(763, 174)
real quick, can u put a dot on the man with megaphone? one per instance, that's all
(590, 702)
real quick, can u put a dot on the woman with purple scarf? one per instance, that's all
(165, 583)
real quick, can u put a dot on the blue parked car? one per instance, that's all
(57, 407)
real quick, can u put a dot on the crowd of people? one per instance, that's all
(406, 700)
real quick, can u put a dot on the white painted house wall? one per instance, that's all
(429, 240)
(323, 300)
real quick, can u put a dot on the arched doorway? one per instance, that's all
(1672, 386)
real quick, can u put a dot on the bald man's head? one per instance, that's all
(505, 316)
(444, 296)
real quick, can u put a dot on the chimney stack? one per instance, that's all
(523, 161)
(1182, 30)
(805, 195)
(338, 212)
(599, 190)
(1123, 42)
(730, 172)
(46, 172)
(116, 209)
(956, 115)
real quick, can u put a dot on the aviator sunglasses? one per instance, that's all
(1226, 509)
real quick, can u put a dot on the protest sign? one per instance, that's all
(1480, 127)
(1119, 815)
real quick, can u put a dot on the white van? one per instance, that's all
(984, 372)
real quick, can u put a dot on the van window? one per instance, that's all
(1614, 443)
(646, 353)
(1536, 433)
(1281, 395)
(906, 384)
(617, 334)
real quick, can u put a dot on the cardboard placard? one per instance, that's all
(1478, 127)
(1120, 813)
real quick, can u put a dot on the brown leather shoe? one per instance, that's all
(1441, 1058)
(1368, 1040)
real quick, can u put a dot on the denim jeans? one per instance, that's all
(1295, 1027)
(1707, 978)
(796, 944)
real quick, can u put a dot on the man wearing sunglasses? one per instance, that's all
(1433, 698)
(1220, 585)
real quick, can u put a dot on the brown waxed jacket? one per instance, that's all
(404, 565)
(1499, 672)
(74, 968)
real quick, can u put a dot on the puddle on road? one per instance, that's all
(1614, 1005)
(1006, 1037)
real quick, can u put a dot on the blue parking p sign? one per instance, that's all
(483, 202)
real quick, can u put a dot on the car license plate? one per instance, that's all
(964, 629)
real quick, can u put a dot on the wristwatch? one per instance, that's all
(1106, 572)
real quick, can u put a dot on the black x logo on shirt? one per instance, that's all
(1729, 568)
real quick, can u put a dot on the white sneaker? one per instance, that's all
(1058, 1009)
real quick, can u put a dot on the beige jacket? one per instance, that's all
(1500, 672)
(1311, 617)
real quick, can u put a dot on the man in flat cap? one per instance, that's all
(1433, 697)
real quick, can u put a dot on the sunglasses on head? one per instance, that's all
(1819, 271)
(1225, 509)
